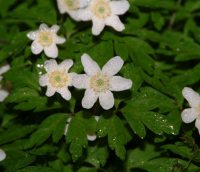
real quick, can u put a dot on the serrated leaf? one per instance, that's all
(53, 125)
(87, 169)
(36, 169)
(97, 156)
(118, 135)
(132, 72)
(141, 110)
(21, 159)
(179, 149)
(77, 140)
(15, 132)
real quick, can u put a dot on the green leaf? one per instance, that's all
(23, 78)
(121, 50)
(179, 149)
(21, 159)
(170, 4)
(140, 111)
(149, 159)
(87, 169)
(15, 132)
(97, 156)
(138, 156)
(132, 72)
(15, 46)
(32, 14)
(36, 169)
(118, 135)
(77, 140)
(53, 125)
(192, 75)
(5, 5)
(101, 53)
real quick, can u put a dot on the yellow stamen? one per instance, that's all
(58, 79)
(99, 82)
(101, 9)
(72, 4)
(45, 38)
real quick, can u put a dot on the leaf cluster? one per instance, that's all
(143, 132)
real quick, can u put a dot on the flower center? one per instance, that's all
(72, 4)
(101, 9)
(45, 38)
(58, 79)
(99, 82)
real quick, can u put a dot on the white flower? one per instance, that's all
(3, 93)
(46, 39)
(2, 155)
(71, 7)
(99, 83)
(90, 137)
(104, 12)
(57, 79)
(190, 114)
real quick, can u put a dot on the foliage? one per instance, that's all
(143, 132)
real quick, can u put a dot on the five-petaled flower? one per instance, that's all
(46, 39)
(2, 155)
(71, 6)
(99, 83)
(104, 12)
(3, 92)
(57, 79)
(190, 114)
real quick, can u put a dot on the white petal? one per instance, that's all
(61, 6)
(43, 27)
(89, 99)
(197, 124)
(84, 14)
(113, 66)
(60, 40)
(84, 3)
(106, 100)
(90, 66)
(3, 95)
(74, 15)
(189, 115)
(66, 65)
(66, 129)
(91, 137)
(50, 65)
(191, 96)
(69, 119)
(4, 69)
(71, 76)
(2, 155)
(51, 51)
(50, 91)
(119, 7)
(67, 125)
(32, 35)
(97, 26)
(115, 22)
(80, 81)
(118, 83)
(97, 118)
(43, 80)
(55, 28)
(36, 48)
(65, 93)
